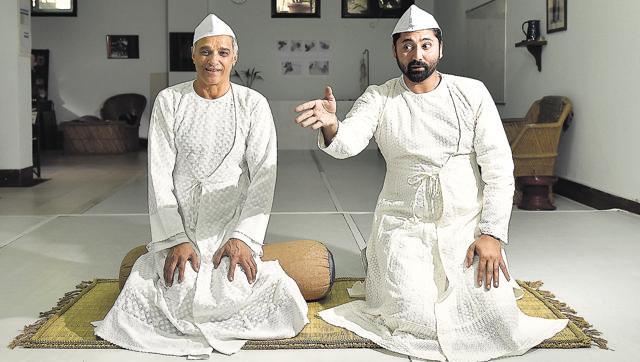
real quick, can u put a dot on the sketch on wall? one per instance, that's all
(319, 67)
(486, 46)
(290, 67)
(303, 57)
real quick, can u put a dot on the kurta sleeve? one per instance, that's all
(167, 228)
(261, 157)
(494, 158)
(355, 131)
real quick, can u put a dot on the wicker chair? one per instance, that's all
(534, 144)
(116, 132)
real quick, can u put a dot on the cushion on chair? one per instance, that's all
(550, 109)
(308, 262)
(127, 107)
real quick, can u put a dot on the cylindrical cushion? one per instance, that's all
(308, 262)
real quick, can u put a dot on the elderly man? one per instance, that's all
(435, 249)
(212, 172)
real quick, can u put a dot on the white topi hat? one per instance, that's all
(415, 19)
(212, 26)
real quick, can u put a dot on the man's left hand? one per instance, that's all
(489, 252)
(238, 253)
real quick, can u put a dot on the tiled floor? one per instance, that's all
(78, 225)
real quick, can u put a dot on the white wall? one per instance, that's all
(15, 93)
(257, 34)
(595, 64)
(80, 75)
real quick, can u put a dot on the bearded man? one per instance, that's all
(441, 220)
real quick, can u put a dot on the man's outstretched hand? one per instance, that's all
(178, 257)
(318, 113)
(238, 253)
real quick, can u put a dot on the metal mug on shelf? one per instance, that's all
(533, 29)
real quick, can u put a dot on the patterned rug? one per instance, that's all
(68, 325)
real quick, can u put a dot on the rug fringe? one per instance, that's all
(30, 330)
(571, 314)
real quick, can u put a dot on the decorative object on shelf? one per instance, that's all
(295, 8)
(122, 47)
(180, 52)
(54, 7)
(556, 15)
(247, 77)
(533, 29)
(535, 48)
(374, 8)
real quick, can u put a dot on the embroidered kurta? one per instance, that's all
(212, 172)
(449, 179)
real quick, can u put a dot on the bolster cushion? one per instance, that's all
(308, 262)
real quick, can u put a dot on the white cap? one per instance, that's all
(212, 26)
(415, 19)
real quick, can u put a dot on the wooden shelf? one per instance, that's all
(535, 48)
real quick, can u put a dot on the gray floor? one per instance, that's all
(79, 225)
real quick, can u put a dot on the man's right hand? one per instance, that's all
(178, 257)
(320, 113)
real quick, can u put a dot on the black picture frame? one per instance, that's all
(376, 8)
(180, 52)
(123, 47)
(36, 10)
(314, 9)
(556, 15)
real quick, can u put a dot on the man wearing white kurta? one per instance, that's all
(212, 172)
(435, 248)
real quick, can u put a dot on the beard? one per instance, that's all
(414, 75)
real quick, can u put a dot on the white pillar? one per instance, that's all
(15, 97)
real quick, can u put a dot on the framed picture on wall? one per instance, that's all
(356, 9)
(556, 15)
(54, 7)
(122, 47)
(295, 8)
(374, 8)
(180, 52)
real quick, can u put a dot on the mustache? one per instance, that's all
(418, 63)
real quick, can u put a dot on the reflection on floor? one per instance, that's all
(78, 225)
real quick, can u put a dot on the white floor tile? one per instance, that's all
(12, 226)
(357, 181)
(586, 257)
(130, 198)
(299, 186)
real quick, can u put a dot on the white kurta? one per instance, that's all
(420, 299)
(212, 172)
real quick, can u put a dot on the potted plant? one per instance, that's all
(247, 77)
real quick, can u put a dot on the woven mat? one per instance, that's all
(68, 325)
